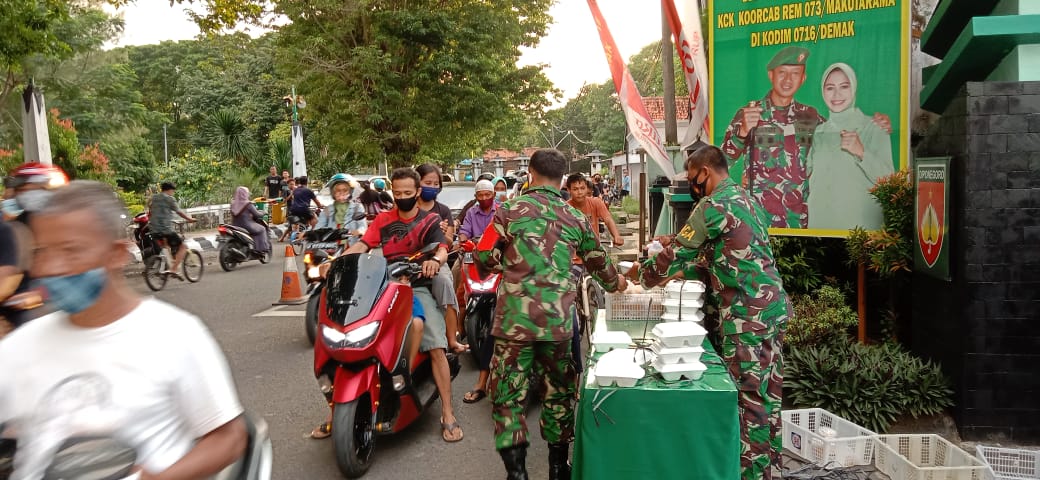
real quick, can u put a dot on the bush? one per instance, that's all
(201, 178)
(799, 262)
(821, 318)
(630, 205)
(869, 385)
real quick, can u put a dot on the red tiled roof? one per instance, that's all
(655, 107)
(502, 153)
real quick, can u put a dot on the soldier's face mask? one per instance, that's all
(699, 185)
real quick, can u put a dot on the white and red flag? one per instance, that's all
(639, 121)
(690, 46)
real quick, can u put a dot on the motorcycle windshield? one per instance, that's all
(353, 285)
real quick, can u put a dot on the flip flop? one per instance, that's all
(474, 396)
(322, 431)
(448, 428)
(460, 348)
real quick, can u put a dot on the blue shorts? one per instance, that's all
(417, 310)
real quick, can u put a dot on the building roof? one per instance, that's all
(655, 107)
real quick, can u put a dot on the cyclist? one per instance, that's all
(160, 221)
(301, 202)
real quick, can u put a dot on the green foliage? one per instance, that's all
(799, 261)
(889, 251)
(132, 162)
(201, 178)
(630, 205)
(869, 385)
(414, 81)
(134, 201)
(226, 133)
(820, 318)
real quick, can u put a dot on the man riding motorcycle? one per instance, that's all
(26, 191)
(401, 232)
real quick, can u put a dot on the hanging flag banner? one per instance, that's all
(299, 162)
(689, 45)
(636, 116)
(931, 202)
(809, 102)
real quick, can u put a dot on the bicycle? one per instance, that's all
(158, 263)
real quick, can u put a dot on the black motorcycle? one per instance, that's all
(236, 246)
(322, 246)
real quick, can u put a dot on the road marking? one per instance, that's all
(277, 312)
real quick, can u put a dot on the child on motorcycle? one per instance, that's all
(343, 211)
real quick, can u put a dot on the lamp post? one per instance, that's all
(299, 162)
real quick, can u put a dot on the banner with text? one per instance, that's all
(809, 102)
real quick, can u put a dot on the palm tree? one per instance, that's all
(227, 134)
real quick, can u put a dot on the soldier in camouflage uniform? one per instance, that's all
(768, 141)
(531, 240)
(725, 243)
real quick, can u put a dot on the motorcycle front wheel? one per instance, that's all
(476, 335)
(227, 261)
(353, 437)
(310, 316)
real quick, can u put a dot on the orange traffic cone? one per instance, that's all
(292, 292)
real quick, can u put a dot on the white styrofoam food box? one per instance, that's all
(687, 289)
(676, 355)
(675, 371)
(606, 340)
(697, 316)
(680, 334)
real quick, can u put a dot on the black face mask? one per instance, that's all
(698, 190)
(406, 204)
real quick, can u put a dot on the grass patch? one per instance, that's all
(630, 206)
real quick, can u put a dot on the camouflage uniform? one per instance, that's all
(772, 159)
(725, 243)
(532, 241)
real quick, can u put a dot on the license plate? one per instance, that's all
(467, 258)
(323, 245)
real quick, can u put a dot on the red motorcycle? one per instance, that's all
(359, 355)
(480, 297)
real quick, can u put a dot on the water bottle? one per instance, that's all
(654, 248)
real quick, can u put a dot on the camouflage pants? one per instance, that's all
(511, 366)
(755, 362)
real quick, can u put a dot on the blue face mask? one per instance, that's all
(11, 207)
(75, 293)
(429, 193)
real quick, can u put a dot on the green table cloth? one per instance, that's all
(662, 430)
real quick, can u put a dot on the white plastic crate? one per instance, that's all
(925, 457)
(826, 439)
(1010, 463)
(635, 306)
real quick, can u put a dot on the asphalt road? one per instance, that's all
(272, 365)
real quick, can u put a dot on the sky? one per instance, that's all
(571, 49)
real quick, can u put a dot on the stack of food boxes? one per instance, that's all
(677, 339)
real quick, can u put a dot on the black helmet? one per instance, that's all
(167, 186)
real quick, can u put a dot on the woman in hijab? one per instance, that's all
(849, 153)
(246, 215)
(501, 190)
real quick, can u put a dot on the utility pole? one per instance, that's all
(671, 135)
(165, 149)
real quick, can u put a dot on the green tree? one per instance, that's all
(412, 80)
(226, 133)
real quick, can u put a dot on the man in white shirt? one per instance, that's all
(109, 363)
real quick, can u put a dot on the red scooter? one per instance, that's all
(480, 297)
(359, 356)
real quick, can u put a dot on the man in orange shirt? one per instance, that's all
(592, 207)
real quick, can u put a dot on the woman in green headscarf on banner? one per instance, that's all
(849, 153)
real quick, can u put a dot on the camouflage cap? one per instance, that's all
(789, 56)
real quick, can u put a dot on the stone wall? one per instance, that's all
(984, 326)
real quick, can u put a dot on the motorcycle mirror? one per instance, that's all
(468, 246)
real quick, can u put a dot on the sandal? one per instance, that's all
(474, 396)
(322, 431)
(448, 428)
(459, 348)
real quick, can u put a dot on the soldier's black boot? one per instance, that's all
(514, 458)
(559, 467)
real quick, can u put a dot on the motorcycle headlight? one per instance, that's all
(313, 273)
(483, 285)
(356, 338)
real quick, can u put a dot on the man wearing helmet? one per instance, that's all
(344, 210)
(26, 190)
(160, 221)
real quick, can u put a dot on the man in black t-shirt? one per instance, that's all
(301, 202)
(274, 183)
